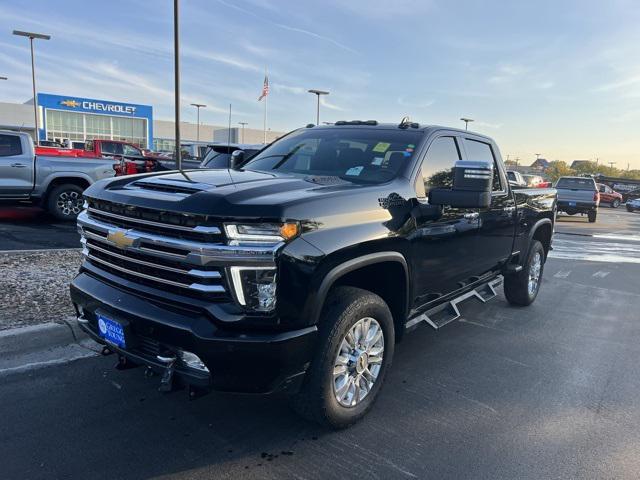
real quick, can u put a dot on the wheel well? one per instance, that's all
(387, 280)
(543, 235)
(81, 182)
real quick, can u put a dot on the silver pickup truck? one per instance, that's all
(578, 195)
(56, 183)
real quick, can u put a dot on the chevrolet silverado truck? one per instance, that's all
(578, 195)
(53, 182)
(299, 270)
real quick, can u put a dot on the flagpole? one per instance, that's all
(266, 99)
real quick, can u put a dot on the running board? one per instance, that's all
(447, 312)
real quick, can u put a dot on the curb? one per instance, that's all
(28, 348)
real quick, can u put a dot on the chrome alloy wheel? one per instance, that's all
(534, 272)
(358, 362)
(69, 203)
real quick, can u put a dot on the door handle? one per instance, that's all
(18, 165)
(471, 216)
(509, 210)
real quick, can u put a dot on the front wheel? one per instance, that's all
(65, 201)
(355, 352)
(615, 203)
(522, 288)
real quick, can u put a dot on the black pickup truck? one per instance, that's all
(299, 270)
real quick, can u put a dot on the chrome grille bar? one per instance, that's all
(192, 272)
(193, 286)
(198, 229)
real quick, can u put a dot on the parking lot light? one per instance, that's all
(32, 36)
(3, 78)
(466, 122)
(317, 93)
(198, 107)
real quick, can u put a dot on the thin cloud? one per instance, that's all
(288, 27)
(331, 106)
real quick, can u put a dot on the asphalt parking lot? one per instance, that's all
(27, 227)
(548, 391)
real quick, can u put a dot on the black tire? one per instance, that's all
(615, 203)
(65, 201)
(629, 209)
(592, 216)
(344, 308)
(516, 285)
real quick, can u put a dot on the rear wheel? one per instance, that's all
(355, 352)
(615, 203)
(592, 216)
(65, 201)
(522, 288)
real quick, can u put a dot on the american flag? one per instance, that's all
(265, 88)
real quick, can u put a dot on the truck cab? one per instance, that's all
(298, 270)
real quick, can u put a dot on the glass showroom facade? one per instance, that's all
(73, 119)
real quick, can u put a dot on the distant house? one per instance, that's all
(580, 163)
(540, 164)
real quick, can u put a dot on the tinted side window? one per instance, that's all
(437, 167)
(10, 145)
(480, 151)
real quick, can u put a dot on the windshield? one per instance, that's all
(359, 155)
(576, 183)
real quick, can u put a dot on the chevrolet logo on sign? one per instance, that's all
(70, 103)
(120, 239)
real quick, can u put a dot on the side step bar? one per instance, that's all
(447, 312)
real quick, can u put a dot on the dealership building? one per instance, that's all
(68, 119)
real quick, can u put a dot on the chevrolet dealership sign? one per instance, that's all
(97, 106)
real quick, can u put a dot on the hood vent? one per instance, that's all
(171, 186)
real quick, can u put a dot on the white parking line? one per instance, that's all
(600, 274)
(562, 274)
(595, 251)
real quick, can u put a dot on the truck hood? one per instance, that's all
(233, 193)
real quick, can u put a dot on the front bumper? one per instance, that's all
(241, 362)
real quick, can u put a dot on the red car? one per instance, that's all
(609, 195)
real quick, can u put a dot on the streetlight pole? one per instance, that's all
(31, 36)
(198, 107)
(317, 93)
(466, 122)
(176, 73)
(243, 124)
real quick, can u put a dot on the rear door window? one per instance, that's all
(10, 145)
(576, 184)
(481, 151)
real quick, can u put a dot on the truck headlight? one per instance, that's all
(261, 233)
(255, 287)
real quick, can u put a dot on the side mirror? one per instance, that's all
(472, 183)
(237, 157)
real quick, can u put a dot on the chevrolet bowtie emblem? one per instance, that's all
(120, 239)
(70, 103)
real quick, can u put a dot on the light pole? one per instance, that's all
(198, 107)
(317, 93)
(611, 164)
(537, 155)
(243, 124)
(176, 73)
(31, 36)
(466, 122)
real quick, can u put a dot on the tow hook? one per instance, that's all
(106, 351)
(166, 382)
(124, 364)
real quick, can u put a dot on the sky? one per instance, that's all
(559, 78)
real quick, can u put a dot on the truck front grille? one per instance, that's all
(163, 252)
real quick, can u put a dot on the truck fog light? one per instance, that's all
(255, 287)
(191, 360)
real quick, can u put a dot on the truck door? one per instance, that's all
(498, 221)
(443, 247)
(16, 166)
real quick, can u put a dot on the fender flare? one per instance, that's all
(535, 227)
(351, 265)
(64, 175)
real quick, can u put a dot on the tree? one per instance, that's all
(557, 169)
